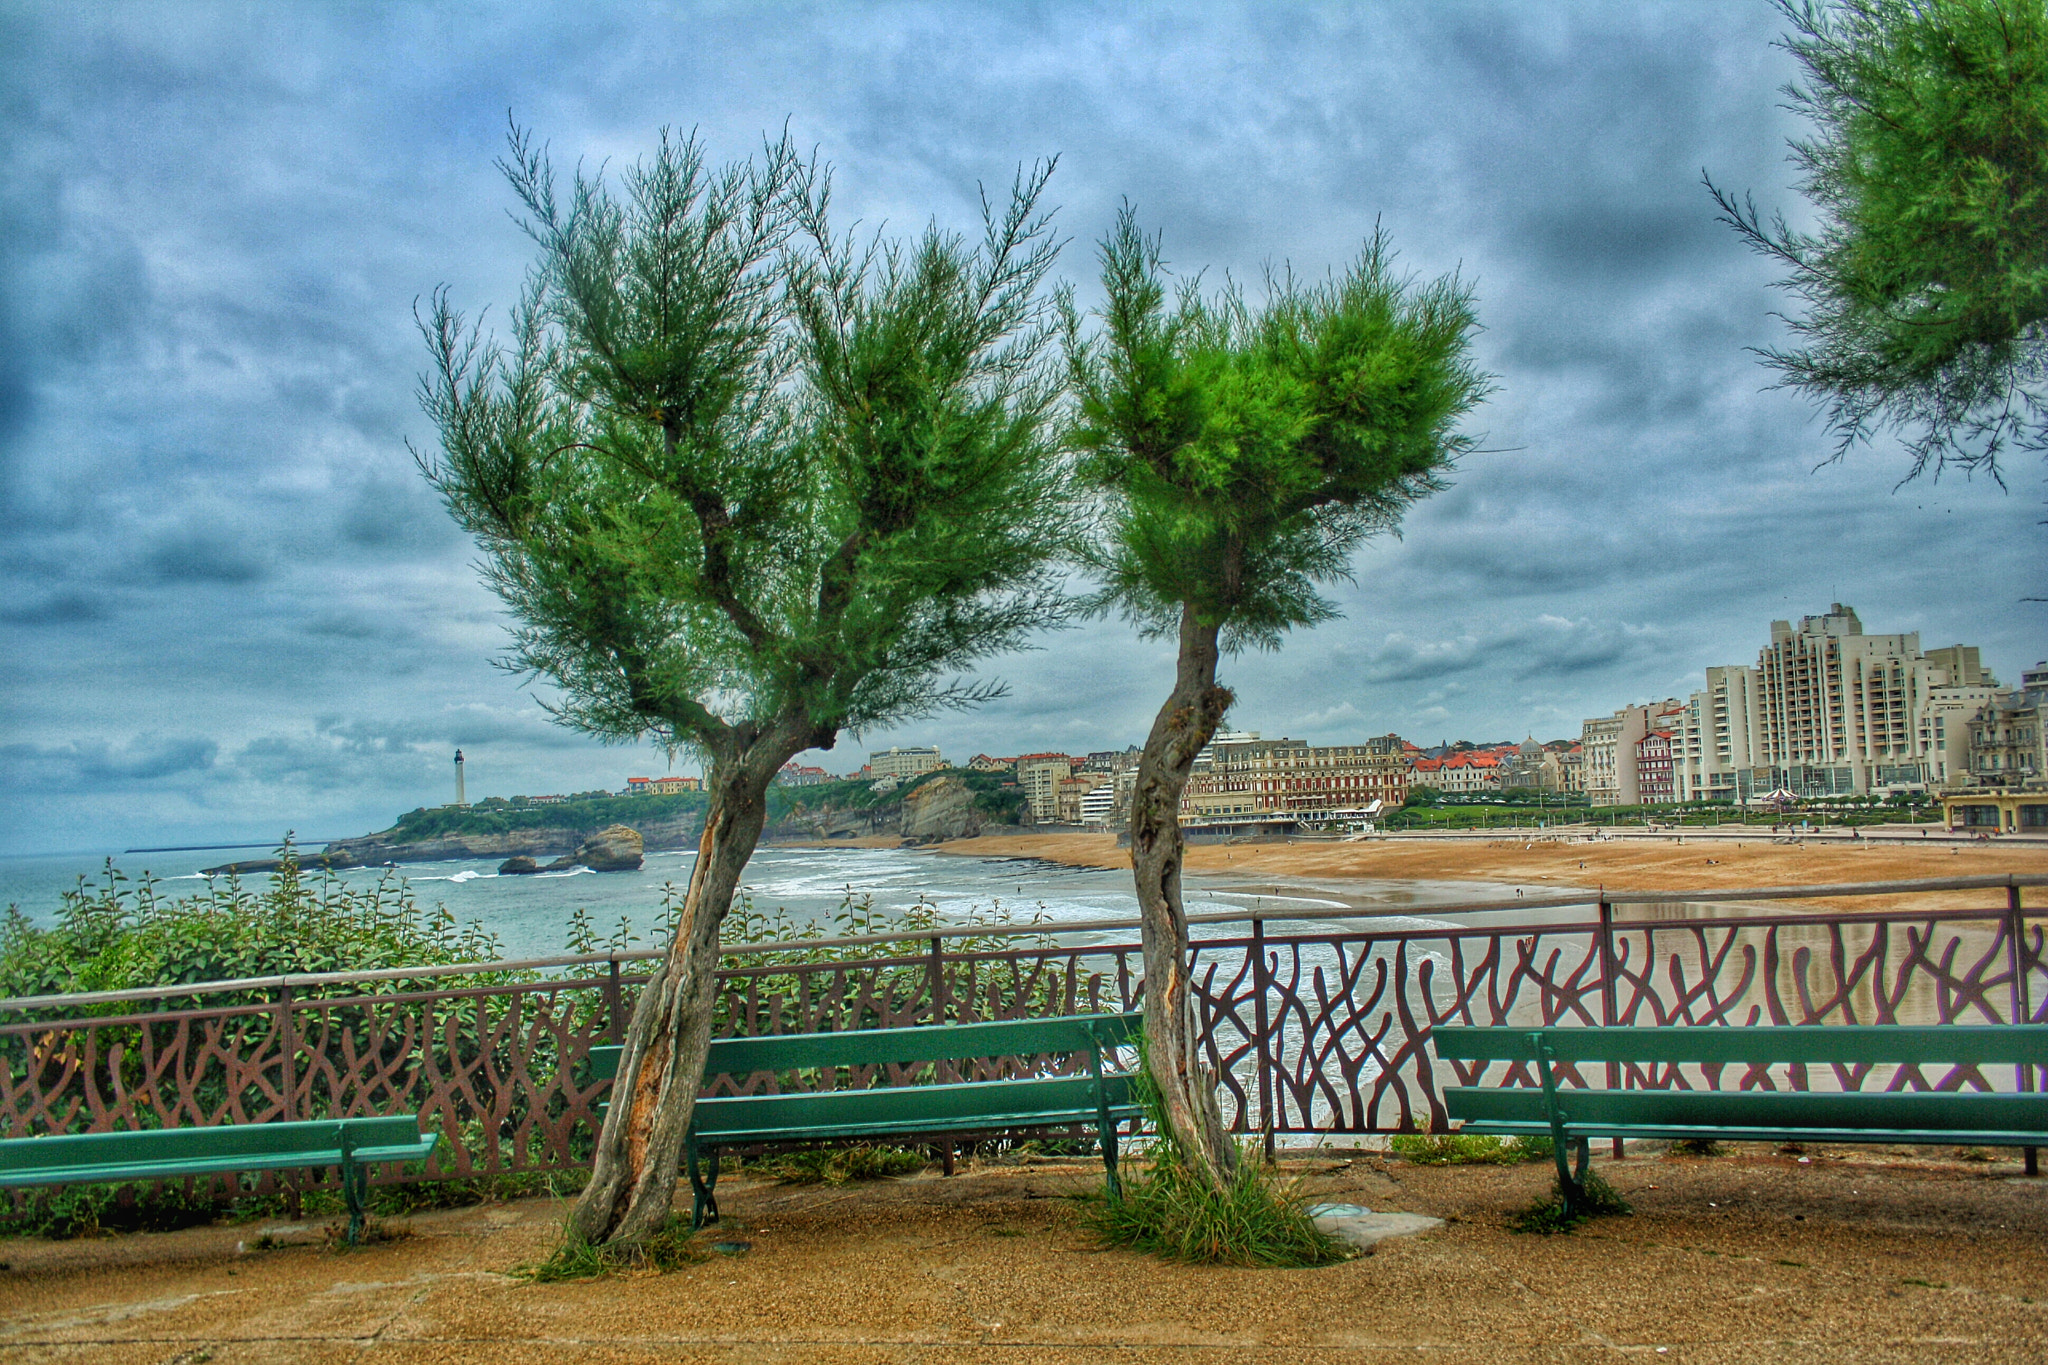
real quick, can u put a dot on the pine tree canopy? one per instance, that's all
(1926, 281)
(1246, 451)
(734, 475)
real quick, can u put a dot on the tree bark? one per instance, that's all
(639, 1152)
(1187, 1088)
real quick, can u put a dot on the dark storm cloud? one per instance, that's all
(96, 766)
(197, 556)
(215, 221)
(58, 609)
(1548, 647)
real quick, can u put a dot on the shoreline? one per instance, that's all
(1506, 866)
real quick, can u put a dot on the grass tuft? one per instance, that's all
(1554, 1215)
(376, 1232)
(1696, 1147)
(670, 1247)
(1259, 1219)
(1468, 1149)
(1171, 1211)
(838, 1165)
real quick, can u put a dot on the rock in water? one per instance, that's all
(515, 867)
(615, 848)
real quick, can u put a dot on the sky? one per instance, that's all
(230, 606)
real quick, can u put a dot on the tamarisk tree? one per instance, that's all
(1926, 278)
(745, 485)
(1243, 454)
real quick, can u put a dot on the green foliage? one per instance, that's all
(838, 1165)
(743, 482)
(1246, 452)
(997, 797)
(1468, 1149)
(1172, 1210)
(1696, 1147)
(1597, 1199)
(120, 934)
(1926, 283)
(581, 813)
(752, 1001)
(93, 1210)
(671, 1247)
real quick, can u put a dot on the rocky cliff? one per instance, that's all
(940, 809)
(376, 849)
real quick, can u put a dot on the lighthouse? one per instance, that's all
(460, 799)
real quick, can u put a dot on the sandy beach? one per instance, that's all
(1496, 863)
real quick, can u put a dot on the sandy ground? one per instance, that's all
(1493, 861)
(1745, 1257)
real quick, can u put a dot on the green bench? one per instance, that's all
(354, 1145)
(1571, 1115)
(1098, 1099)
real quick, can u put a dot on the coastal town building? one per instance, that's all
(1654, 772)
(1463, 773)
(1243, 775)
(662, 786)
(793, 775)
(1040, 775)
(1099, 806)
(905, 762)
(1608, 744)
(1826, 711)
(2008, 747)
(1070, 792)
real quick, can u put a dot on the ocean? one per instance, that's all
(531, 914)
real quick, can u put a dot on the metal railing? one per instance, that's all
(1320, 1028)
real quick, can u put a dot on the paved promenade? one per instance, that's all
(1748, 1257)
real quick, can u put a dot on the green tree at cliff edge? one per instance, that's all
(1243, 454)
(746, 485)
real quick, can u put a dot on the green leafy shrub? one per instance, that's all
(670, 1247)
(121, 934)
(1170, 1210)
(1468, 1149)
(837, 1165)
(1597, 1199)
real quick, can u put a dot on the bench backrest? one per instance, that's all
(60, 1151)
(1060, 1035)
(1715, 1044)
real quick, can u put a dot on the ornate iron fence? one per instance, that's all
(1323, 1028)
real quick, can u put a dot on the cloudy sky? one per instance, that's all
(229, 606)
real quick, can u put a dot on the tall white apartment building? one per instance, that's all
(1828, 710)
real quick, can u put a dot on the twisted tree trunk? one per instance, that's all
(639, 1152)
(1187, 1088)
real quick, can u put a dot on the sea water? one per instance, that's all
(531, 913)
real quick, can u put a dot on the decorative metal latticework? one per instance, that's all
(1309, 1032)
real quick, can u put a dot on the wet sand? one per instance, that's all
(1495, 864)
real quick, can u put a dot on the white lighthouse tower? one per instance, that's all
(460, 799)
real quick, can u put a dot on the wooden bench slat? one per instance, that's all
(909, 1108)
(1714, 1044)
(1939, 1137)
(1594, 1110)
(120, 1172)
(236, 1141)
(1094, 1100)
(926, 1043)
